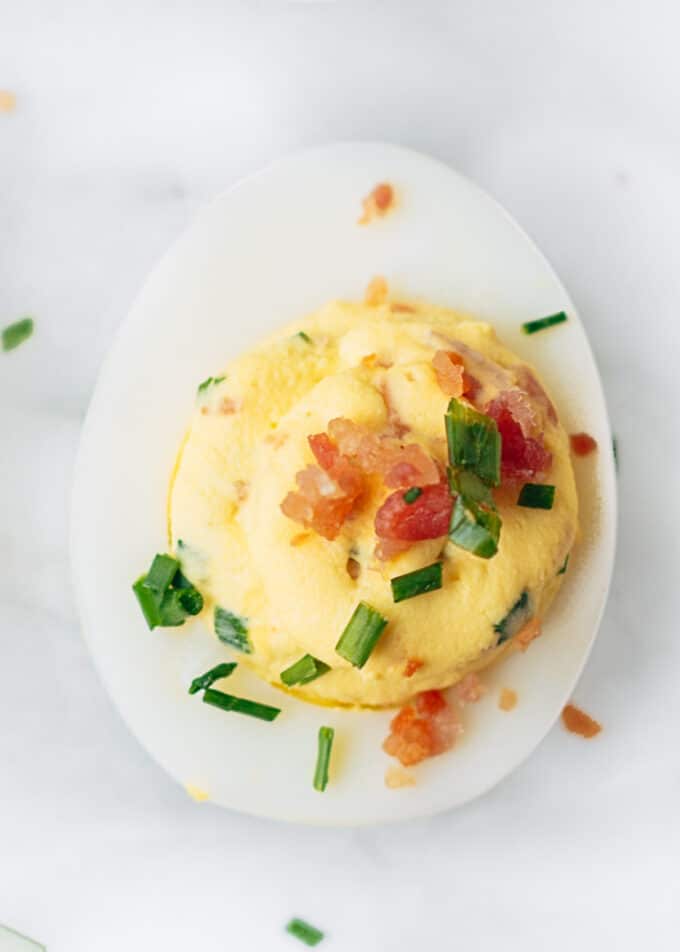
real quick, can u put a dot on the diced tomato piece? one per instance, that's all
(324, 449)
(412, 665)
(582, 444)
(522, 458)
(422, 729)
(426, 518)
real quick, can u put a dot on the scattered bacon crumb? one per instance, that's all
(412, 665)
(523, 457)
(353, 568)
(528, 382)
(400, 465)
(451, 375)
(228, 406)
(400, 307)
(508, 699)
(424, 728)
(242, 488)
(582, 444)
(470, 689)
(527, 634)
(426, 518)
(578, 722)
(395, 778)
(8, 101)
(376, 293)
(300, 538)
(378, 202)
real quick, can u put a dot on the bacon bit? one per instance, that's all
(228, 406)
(300, 538)
(426, 518)
(399, 307)
(398, 464)
(325, 498)
(376, 293)
(522, 458)
(8, 101)
(582, 444)
(353, 568)
(378, 202)
(396, 778)
(527, 634)
(528, 383)
(412, 665)
(508, 699)
(470, 689)
(452, 376)
(241, 488)
(422, 729)
(578, 722)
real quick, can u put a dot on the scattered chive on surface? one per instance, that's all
(165, 595)
(563, 570)
(232, 630)
(302, 930)
(531, 327)
(303, 336)
(419, 582)
(215, 674)
(516, 618)
(323, 758)
(15, 334)
(412, 494)
(209, 382)
(475, 525)
(361, 635)
(474, 442)
(307, 669)
(240, 705)
(536, 496)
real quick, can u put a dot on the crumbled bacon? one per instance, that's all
(527, 634)
(527, 382)
(470, 689)
(399, 464)
(424, 728)
(582, 444)
(578, 722)
(325, 497)
(452, 377)
(428, 517)
(522, 457)
(378, 202)
(412, 665)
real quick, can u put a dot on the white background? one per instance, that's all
(130, 116)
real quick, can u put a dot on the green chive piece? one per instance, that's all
(361, 635)
(303, 336)
(209, 382)
(424, 580)
(232, 630)
(165, 595)
(240, 705)
(323, 757)
(148, 602)
(474, 529)
(474, 442)
(412, 494)
(467, 484)
(307, 669)
(615, 451)
(563, 570)
(215, 674)
(515, 620)
(304, 932)
(15, 334)
(536, 496)
(162, 572)
(531, 327)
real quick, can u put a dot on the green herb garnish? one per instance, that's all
(531, 327)
(474, 442)
(304, 932)
(412, 494)
(563, 570)
(427, 579)
(536, 496)
(165, 596)
(232, 630)
(240, 705)
(15, 334)
(323, 756)
(361, 635)
(303, 336)
(515, 620)
(475, 525)
(307, 669)
(209, 382)
(215, 674)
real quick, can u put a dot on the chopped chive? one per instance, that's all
(232, 630)
(323, 757)
(563, 570)
(162, 572)
(304, 932)
(536, 496)
(240, 705)
(15, 334)
(531, 327)
(424, 580)
(148, 602)
(361, 635)
(303, 336)
(412, 494)
(165, 595)
(467, 484)
(307, 669)
(209, 382)
(514, 621)
(215, 674)
(474, 442)
(615, 451)
(475, 529)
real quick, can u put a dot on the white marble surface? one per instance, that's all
(128, 117)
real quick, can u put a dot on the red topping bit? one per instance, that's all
(528, 383)
(428, 517)
(412, 665)
(324, 449)
(451, 375)
(470, 689)
(582, 444)
(424, 728)
(522, 456)
(399, 464)
(530, 632)
(578, 722)
(378, 202)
